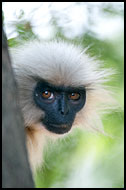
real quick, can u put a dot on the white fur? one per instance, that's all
(59, 63)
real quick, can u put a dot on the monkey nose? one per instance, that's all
(63, 106)
(64, 110)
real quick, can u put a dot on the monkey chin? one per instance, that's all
(58, 129)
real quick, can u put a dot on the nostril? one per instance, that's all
(64, 112)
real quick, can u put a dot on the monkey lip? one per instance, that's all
(61, 126)
(58, 129)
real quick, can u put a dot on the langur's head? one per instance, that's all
(60, 86)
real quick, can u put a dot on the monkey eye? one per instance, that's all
(74, 96)
(47, 94)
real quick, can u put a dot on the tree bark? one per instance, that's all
(16, 172)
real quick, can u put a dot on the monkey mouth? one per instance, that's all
(58, 129)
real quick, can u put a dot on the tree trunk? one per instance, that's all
(16, 172)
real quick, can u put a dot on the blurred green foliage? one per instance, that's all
(83, 159)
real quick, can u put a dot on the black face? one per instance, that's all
(60, 105)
